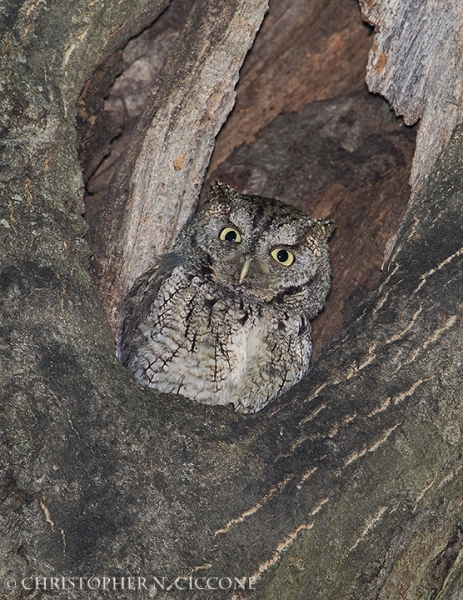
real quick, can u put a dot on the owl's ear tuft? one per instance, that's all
(323, 228)
(220, 192)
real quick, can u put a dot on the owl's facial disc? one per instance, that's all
(255, 247)
(248, 264)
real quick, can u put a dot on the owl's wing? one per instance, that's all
(136, 305)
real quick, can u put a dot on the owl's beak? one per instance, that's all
(244, 269)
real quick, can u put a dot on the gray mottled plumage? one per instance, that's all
(224, 318)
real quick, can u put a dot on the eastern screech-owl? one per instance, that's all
(224, 317)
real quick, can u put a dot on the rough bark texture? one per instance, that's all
(349, 488)
(416, 62)
(393, 381)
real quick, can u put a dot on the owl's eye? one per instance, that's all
(283, 256)
(230, 234)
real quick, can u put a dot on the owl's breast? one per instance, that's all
(193, 341)
(216, 346)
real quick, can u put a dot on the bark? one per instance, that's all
(416, 62)
(349, 488)
(122, 103)
(386, 401)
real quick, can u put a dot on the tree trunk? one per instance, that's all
(350, 487)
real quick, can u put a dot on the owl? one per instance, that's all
(224, 318)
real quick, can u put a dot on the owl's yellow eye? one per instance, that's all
(283, 256)
(229, 234)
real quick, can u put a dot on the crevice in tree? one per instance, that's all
(303, 131)
(113, 100)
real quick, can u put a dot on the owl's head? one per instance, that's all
(261, 249)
